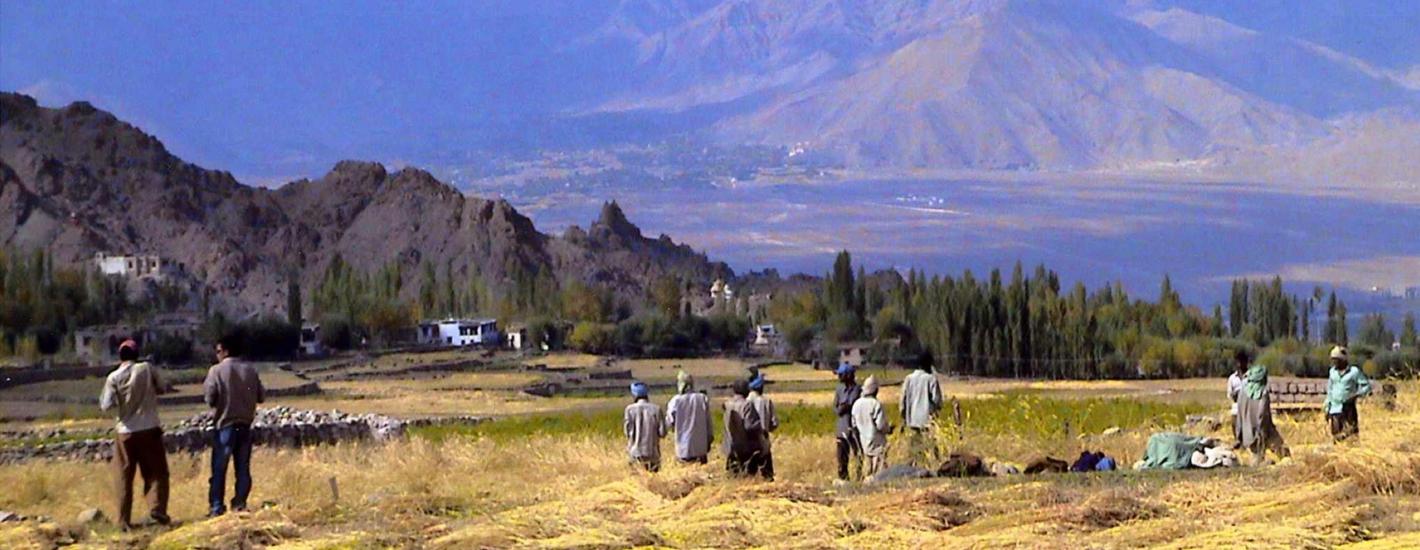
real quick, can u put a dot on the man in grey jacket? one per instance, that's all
(763, 463)
(644, 427)
(844, 435)
(921, 399)
(232, 389)
(133, 390)
(688, 415)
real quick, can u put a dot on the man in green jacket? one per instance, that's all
(1345, 384)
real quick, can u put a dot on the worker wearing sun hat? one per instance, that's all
(133, 390)
(1344, 385)
(688, 415)
(845, 437)
(644, 428)
(871, 422)
(763, 464)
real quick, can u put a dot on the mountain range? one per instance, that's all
(1009, 84)
(77, 180)
(1268, 90)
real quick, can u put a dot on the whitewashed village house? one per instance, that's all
(460, 332)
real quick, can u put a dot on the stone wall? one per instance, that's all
(1308, 391)
(281, 427)
(18, 376)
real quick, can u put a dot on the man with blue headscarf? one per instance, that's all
(644, 428)
(846, 437)
(763, 462)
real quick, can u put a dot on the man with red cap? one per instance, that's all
(132, 389)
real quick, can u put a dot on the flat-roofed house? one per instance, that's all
(461, 332)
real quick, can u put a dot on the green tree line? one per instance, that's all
(1025, 326)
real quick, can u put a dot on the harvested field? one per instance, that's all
(552, 478)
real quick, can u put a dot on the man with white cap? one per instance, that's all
(688, 415)
(921, 399)
(1345, 384)
(844, 435)
(870, 420)
(644, 428)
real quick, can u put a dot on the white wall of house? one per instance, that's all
(461, 332)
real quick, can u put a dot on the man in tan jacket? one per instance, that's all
(132, 390)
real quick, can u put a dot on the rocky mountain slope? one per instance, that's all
(1005, 84)
(76, 180)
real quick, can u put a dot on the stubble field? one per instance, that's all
(552, 474)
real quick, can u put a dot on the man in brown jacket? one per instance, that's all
(743, 431)
(133, 390)
(232, 389)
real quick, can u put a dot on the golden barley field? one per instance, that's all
(575, 490)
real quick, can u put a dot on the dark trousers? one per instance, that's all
(142, 452)
(651, 464)
(849, 451)
(760, 464)
(230, 443)
(694, 460)
(737, 464)
(1345, 424)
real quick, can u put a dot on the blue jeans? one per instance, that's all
(231, 442)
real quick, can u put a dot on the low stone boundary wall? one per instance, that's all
(11, 377)
(451, 366)
(280, 427)
(309, 388)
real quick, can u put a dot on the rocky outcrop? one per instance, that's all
(77, 180)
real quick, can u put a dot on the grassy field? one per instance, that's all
(552, 475)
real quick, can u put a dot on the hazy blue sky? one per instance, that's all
(215, 79)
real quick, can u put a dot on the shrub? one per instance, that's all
(47, 340)
(545, 332)
(590, 337)
(336, 332)
(168, 349)
(728, 332)
(628, 338)
(1404, 363)
(270, 338)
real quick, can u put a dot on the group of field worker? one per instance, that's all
(862, 427)
(749, 419)
(1253, 427)
(860, 431)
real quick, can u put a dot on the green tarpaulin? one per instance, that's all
(1170, 451)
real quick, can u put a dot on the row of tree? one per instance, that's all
(41, 305)
(1025, 326)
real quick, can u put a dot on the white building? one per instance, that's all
(460, 332)
(765, 335)
(138, 266)
(310, 340)
(517, 338)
